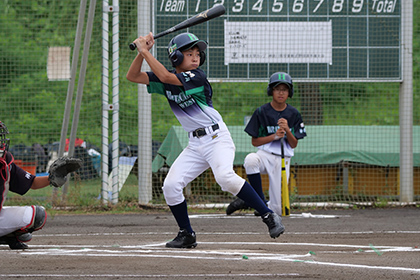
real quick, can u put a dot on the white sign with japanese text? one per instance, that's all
(278, 42)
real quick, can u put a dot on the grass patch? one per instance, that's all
(81, 197)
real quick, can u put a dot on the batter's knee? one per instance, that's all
(229, 181)
(252, 163)
(173, 194)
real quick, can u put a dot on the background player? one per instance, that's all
(18, 223)
(210, 144)
(268, 124)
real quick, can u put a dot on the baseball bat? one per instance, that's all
(209, 14)
(285, 203)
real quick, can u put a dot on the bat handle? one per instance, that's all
(282, 146)
(132, 46)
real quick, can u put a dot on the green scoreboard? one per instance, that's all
(319, 40)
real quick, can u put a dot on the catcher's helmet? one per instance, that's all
(280, 78)
(182, 42)
(4, 141)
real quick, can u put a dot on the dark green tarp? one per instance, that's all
(373, 145)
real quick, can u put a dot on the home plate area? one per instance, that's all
(323, 245)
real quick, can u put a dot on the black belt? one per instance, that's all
(199, 132)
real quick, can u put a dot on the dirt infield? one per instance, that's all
(320, 244)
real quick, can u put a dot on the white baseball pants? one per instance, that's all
(14, 218)
(266, 163)
(215, 150)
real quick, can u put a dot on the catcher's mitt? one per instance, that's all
(60, 168)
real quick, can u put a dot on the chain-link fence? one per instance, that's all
(345, 58)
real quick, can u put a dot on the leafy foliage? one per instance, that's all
(35, 105)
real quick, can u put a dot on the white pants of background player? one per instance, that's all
(215, 150)
(15, 218)
(266, 163)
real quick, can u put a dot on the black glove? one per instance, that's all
(60, 168)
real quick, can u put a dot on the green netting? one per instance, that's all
(349, 101)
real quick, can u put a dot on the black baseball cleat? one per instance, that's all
(13, 242)
(237, 204)
(273, 222)
(184, 239)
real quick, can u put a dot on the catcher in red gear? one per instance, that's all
(18, 222)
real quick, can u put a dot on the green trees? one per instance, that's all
(33, 107)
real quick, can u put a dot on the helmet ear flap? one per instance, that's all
(202, 57)
(269, 91)
(176, 58)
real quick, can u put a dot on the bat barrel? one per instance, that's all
(209, 14)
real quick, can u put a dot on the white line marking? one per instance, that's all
(407, 269)
(157, 250)
(228, 233)
(205, 255)
(242, 216)
(150, 245)
(150, 275)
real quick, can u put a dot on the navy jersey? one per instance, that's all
(192, 102)
(264, 122)
(13, 178)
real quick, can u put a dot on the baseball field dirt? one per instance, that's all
(381, 243)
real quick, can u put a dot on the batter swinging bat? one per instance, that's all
(285, 203)
(209, 14)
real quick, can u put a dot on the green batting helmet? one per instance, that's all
(182, 42)
(280, 78)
